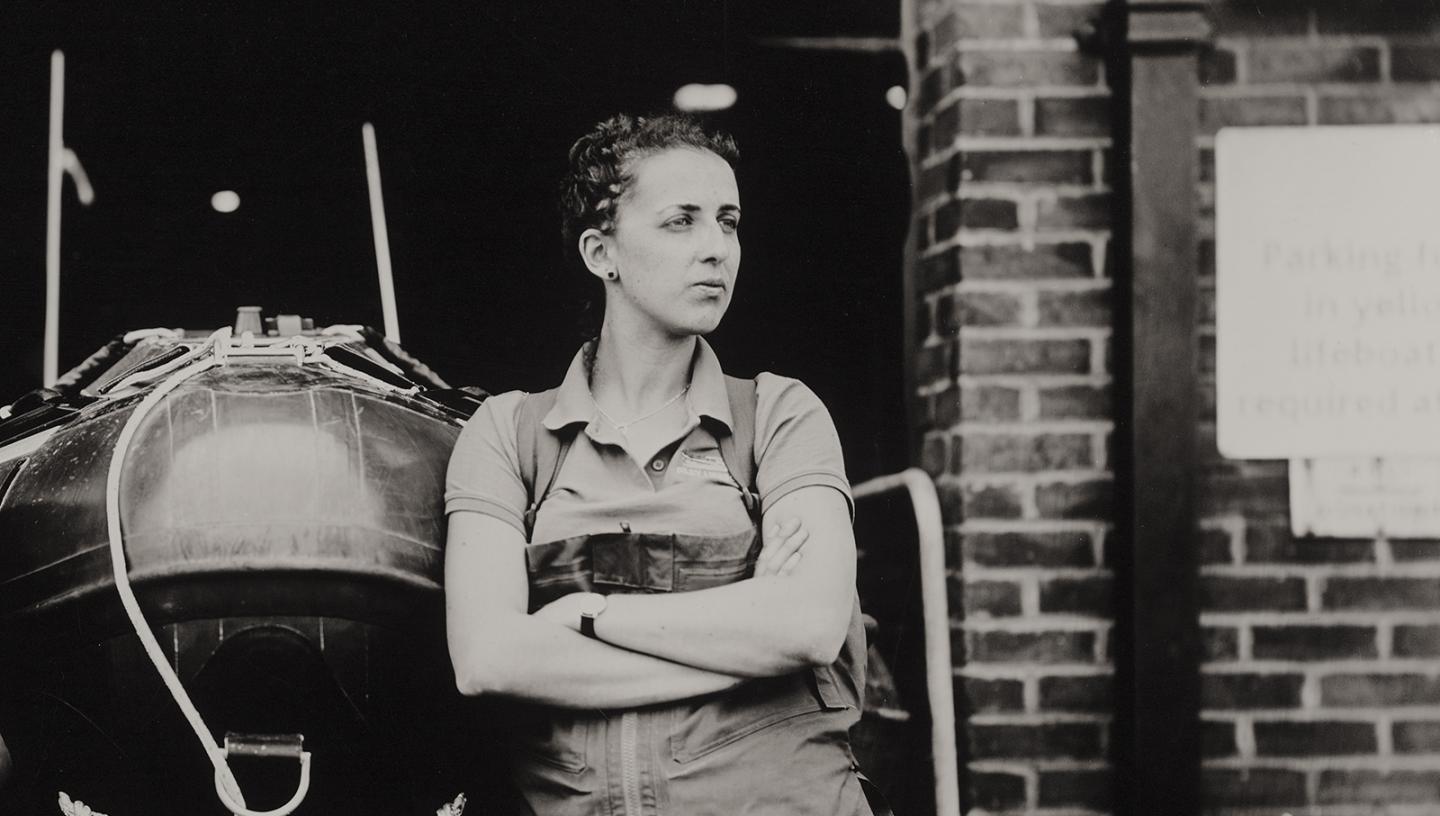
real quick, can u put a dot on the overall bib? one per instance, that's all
(775, 745)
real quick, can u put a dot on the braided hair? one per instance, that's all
(601, 169)
(601, 164)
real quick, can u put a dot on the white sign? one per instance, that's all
(1364, 498)
(1328, 291)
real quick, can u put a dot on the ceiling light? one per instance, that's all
(697, 97)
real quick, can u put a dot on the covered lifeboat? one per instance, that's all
(272, 503)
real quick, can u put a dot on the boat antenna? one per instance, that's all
(382, 236)
(61, 160)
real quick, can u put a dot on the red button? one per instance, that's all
(657, 465)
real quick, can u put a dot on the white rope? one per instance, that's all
(226, 787)
(135, 336)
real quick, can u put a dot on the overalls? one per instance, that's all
(775, 745)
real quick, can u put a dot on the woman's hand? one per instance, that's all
(781, 550)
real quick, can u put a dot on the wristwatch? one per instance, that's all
(591, 607)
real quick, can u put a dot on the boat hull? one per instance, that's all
(282, 525)
(249, 490)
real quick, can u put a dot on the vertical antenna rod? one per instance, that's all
(382, 236)
(54, 176)
(61, 160)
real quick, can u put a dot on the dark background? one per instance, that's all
(475, 106)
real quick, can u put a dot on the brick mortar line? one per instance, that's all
(976, 144)
(1026, 285)
(1389, 90)
(978, 238)
(1040, 718)
(1244, 644)
(1303, 42)
(1330, 762)
(982, 144)
(1009, 45)
(1402, 569)
(1093, 527)
(1033, 427)
(1356, 665)
(1384, 743)
(1055, 623)
(972, 570)
(1297, 89)
(1318, 673)
(1023, 92)
(934, 388)
(1029, 671)
(1242, 63)
(1345, 809)
(1039, 380)
(1311, 692)
(1035, 332)
(1022, 190)
(924, 209)
(1002, 674)
(1328, 617)
(1245, 738)
(1038, 764)
(1034, 479)
(1300, 42)
(1345, 715)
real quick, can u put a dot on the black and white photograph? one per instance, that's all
(389, 425)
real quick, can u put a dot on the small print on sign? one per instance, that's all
(1327, 301)
(1364, 497)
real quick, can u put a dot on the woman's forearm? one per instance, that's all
(767, 625)
(757, 628)
(533, 659)
(496, 648)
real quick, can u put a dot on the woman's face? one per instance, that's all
(675, 244)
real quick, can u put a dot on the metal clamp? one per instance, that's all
(284, 746)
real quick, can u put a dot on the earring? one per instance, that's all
(612, 275)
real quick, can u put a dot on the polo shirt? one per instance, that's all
(684, 489)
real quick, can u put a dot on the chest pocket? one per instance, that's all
(701, 465)
(618, 563)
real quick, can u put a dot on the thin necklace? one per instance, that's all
(621, 426)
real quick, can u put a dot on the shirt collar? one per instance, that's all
(707, 397)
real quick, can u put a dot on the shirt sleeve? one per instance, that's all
(795, 442)
(484, 473)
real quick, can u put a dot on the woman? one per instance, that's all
(714, 674)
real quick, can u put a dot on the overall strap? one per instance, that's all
(737, 448)
(541, 452)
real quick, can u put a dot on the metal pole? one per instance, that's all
(382, 236)
(55, 174)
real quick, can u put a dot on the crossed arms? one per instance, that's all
(651, 648)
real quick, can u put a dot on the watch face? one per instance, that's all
(593, 605)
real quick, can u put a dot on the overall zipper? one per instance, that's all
(630, 762)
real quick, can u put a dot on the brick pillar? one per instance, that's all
(1319, 688)
(1009, 132)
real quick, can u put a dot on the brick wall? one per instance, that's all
(1012, 149)
(1321, 679)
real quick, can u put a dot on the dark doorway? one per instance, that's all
(475, 106)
